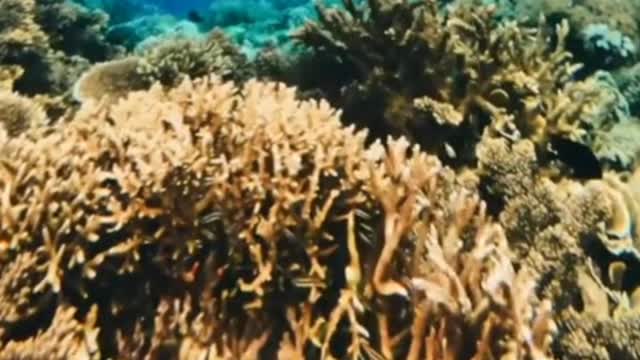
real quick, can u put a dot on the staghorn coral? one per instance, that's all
(25, 294)
(65, 338)
(443, 78)
(207, 219)
(448, 277)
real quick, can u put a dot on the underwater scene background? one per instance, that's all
(347, 179)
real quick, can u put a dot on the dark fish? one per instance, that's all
(194, 17)
(579, 157)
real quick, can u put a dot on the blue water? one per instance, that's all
(182, 8)
(252, 24)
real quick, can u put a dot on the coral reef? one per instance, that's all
(141, 31)
(396, 179)
(560, 229)
(444, 79)
(253, 197)
(122, 11)
(255, 24)
(603, 34)
(168, 62)
(51, 42)
(628, 81)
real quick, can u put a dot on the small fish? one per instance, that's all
(579, 157)
(195, 17)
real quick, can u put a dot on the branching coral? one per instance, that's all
(628, 80)
(460, 287)
(442, 78)
(75, 30)
(66, 338)
(207, 219)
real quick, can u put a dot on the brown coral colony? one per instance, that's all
(186, 201)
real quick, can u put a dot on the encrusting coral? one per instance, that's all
(241, 222)
(443, 78)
